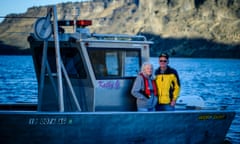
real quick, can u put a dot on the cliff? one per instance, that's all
(183, 28)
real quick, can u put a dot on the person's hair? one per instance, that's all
(164, 55)
(144, 65)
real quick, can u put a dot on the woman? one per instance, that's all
(144, 89)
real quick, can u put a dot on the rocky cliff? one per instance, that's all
(183, 28)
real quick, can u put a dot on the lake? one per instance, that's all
(217, 81)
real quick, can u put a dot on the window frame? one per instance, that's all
(121, 56)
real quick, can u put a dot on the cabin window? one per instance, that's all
(114, 63)
(73, 64)
(71, 59)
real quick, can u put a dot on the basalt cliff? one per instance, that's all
(183, 28)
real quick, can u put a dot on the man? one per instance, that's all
(168, 84)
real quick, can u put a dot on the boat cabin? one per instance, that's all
(98, 70)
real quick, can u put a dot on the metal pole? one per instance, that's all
(58, 60)
(71, 88)
(51, 79)
(44, 59)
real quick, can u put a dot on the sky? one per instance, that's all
(21, 6)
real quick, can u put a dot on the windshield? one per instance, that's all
(114, 63)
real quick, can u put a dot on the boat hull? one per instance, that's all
(178, 127)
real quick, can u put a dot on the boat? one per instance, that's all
(84, 83)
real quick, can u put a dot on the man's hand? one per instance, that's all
(173, 102)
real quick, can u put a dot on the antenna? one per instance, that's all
(76, 13)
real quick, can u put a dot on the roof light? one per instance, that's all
(83, 23)
(79, 23)
(65, 23)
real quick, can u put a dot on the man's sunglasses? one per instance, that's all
(163, 61)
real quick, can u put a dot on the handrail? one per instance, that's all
(58, 60)
(61, 68)
(43, 66)
(120, 37)
(70, 87)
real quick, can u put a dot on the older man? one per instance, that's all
(168, 84)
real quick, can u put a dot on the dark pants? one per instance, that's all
(164, 107)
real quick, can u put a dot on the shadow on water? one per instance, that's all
(12, 50)
(177, 47)
(192, 47)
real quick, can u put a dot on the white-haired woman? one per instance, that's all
(144, 89)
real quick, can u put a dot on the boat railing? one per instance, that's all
(81, 29)
(119, 37)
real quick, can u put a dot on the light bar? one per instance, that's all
(84, 23)
(79, 23)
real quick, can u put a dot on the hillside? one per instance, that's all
(183, 28)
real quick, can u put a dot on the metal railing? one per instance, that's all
(119, 37)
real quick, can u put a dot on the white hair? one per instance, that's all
(144, 66)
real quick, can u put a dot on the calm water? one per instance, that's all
(217, 81)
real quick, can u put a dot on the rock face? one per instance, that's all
(183, 28)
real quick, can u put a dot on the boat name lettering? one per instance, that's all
(212, 117)
(49, 121)
(109, 84)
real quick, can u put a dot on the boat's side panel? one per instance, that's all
(114, 95)
(189, 127)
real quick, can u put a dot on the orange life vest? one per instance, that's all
(146, 86)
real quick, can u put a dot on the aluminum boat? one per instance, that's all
(84, 83)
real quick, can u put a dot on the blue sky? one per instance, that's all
(21, 6)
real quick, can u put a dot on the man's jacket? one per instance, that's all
(168, 85)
